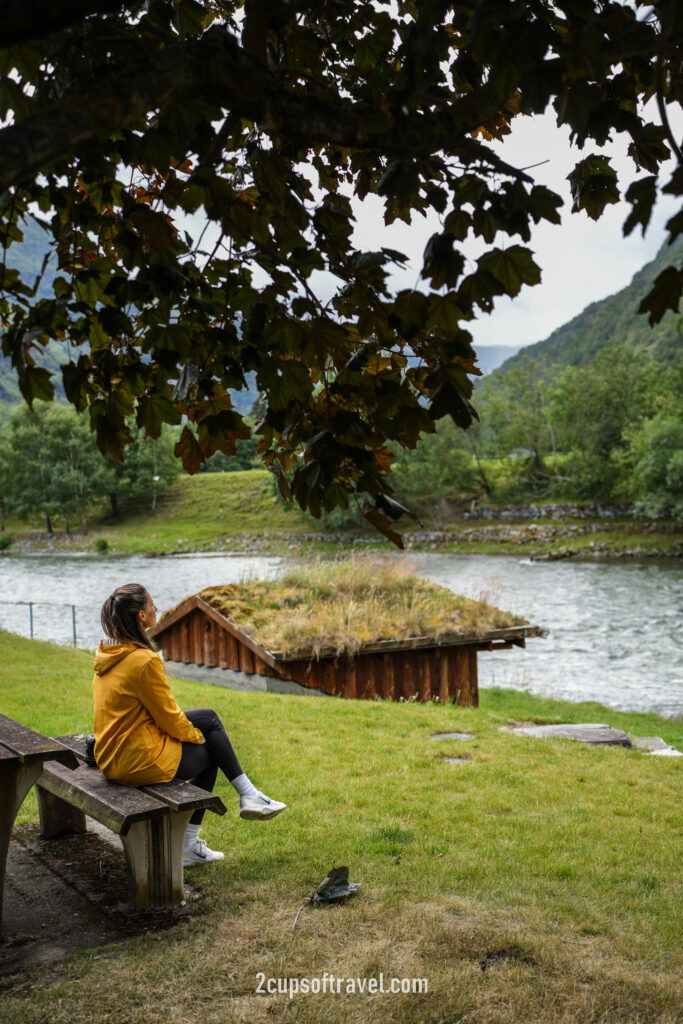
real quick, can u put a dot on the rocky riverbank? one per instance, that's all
(553, 533)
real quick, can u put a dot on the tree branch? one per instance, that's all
(216, 67)
(22, 20)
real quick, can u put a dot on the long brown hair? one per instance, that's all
(120, 620)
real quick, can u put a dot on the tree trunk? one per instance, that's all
(84, 524)
(480, 469)
(48, 524)
(114, 502)
(67, 531)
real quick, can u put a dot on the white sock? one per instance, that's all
(191, 836)
(244, 785)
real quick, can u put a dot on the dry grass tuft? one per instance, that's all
(345, 604)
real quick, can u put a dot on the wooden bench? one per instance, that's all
(150, 821)
(23, 753)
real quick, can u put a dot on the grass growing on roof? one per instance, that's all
(345, 604)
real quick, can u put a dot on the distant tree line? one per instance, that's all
(611, 429)
(50, 466)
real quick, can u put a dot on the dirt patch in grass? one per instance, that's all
(67, 894)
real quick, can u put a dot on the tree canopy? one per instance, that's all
(126, 124)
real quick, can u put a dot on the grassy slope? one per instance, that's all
(207, 512)
(200, 511)
(564, 856)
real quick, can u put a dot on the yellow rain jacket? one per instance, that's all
(139, 729)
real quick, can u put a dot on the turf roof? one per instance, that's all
(343, 606)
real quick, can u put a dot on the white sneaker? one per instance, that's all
(259, 807)
(199, 853)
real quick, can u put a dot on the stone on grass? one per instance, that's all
(452, 735)
(655, 745)
(588, 732)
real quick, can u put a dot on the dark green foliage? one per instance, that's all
(244, 458)
(438, 470)
(50, 465)
(656, 454)
(267, 119)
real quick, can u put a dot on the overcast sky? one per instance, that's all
(581, 260)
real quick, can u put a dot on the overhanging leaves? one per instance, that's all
(117, 129)
(666, 294)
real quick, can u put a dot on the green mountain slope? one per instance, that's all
(614, 320)
(27, 257)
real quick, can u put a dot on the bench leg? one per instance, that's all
(15, 782)
(56, 815)
(154, 858)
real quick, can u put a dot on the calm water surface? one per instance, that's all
(615, 629)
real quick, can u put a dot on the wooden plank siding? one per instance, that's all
(446, 673)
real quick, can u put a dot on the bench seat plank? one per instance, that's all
(117, 807)
(183, 796)
(30, 745)
(179, 796)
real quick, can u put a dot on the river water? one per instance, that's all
(615, 629)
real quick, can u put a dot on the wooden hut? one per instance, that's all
(425, 667)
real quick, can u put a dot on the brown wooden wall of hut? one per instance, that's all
(449, 673)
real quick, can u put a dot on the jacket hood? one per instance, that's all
(109, 655)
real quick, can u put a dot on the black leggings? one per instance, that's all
(199, 762)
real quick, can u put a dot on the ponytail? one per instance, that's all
(120, 620)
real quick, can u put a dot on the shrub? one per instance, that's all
(5, 541)
(101, 544)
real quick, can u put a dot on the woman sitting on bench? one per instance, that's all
(142, 736)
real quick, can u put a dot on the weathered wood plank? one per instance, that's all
(185, 642)
(365, 677)
(234, 652)
(29, 745)
(183, 796)
(197, 638)
(387, 682)
(444, 676)
(350, 678)
(426, 685)
(210, 643)
(222, 648)
(246, 659)
(117, 807)
(474, 678)
(326, 676)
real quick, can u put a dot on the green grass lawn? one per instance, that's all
(554, 865)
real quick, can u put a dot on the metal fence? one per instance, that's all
(34, 618)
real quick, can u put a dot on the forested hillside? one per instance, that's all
(28, 258)
(613, 321)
